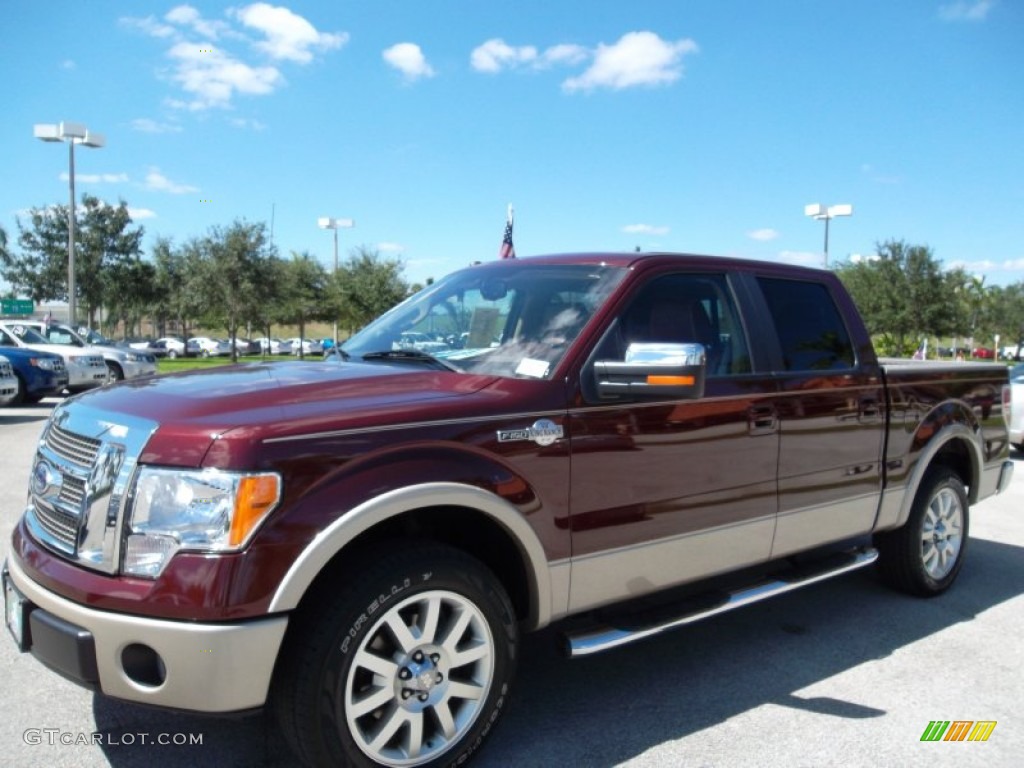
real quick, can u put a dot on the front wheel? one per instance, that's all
(410, 664)
(926, 554)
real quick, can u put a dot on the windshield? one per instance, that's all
(516, 321)
(26, 334)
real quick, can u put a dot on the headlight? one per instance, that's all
(44, 363)
(131, 357)
(199, 510)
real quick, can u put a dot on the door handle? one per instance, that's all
(762, 420)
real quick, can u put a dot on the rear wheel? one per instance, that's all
(409, 665)
(926, 554)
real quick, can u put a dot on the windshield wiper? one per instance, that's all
(411, 355)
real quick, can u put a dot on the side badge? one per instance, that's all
(543, 432)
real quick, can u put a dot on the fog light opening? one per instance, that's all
(143, 665)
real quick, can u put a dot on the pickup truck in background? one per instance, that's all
(620, 443)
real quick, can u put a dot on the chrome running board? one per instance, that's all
(602, 638)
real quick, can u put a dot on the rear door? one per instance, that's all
(831, 410)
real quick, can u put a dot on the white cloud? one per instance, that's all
(637, 59)
(966, 10)
(496, 55)
(160, 183)
(97, 178)
(149, 26)
(408, 59)
(763, 235)
(147, 125)
(213, 75)
(390, 247)
(1014, 265)
(564, 53)
(645, 229)
(289, 36)
(247, 123)
(141, 213)
(68, 64)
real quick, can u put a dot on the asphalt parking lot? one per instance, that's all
(841, 673)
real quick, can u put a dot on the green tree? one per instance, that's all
(104, 239)
(303, 287)
(903, 295)
(130, 290)
(367, 286)
(236, 273)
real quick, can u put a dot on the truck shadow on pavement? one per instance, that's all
(606, 709)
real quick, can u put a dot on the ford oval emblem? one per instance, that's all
(44, 478)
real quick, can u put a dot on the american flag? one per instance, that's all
(507, 250)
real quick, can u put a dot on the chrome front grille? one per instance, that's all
(60, 525)
(79, 484)
(72, 491)
(77, 449)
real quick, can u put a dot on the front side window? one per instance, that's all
(682, 309)
(515, 321)
(810, 328)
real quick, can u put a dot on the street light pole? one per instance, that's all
(821, 213)
(72, 133)
(326, 222)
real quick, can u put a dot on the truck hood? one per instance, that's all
(247, 404)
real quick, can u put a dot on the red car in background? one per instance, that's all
(984, 353)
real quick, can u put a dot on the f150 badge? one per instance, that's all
(543, 432)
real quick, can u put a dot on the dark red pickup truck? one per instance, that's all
(358, 543)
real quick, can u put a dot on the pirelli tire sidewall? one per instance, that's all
(340, 626)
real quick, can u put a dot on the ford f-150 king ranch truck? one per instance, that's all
(358, 543)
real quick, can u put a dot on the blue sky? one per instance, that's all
(703, 126)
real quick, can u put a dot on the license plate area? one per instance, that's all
(16, 611)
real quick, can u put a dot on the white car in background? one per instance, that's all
(204, 346)
(308, 346)
(8, 382)
(1017, 406)
(86, 369)
(172, 346)
(274, 346)
(121, 363)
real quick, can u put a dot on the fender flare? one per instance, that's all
(946, 435)
(334, 538)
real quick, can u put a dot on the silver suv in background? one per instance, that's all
(121, 363)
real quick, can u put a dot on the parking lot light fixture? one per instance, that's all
(72, 133)
(327, 222)
(826, 214)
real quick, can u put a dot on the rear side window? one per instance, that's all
(811, 330)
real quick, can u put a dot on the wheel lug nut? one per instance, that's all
(406, 693)
(422, 697)
(418, 657)
(404, 673)
(435, 657)
(439, 678)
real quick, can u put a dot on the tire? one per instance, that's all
(173, 354)
(370, 675)
(924, 556)
(114, 372)
(21, 396)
